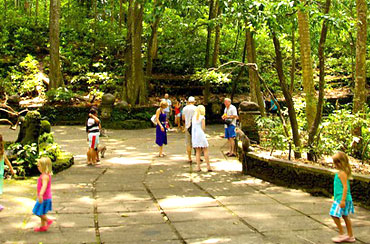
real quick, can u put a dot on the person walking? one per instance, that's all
(187, 116)
(161, 130)
(229, 117)
(199, 138)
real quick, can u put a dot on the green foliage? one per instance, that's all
(24, 79)
(218, 80)
(26, 157)
(273, 133)
(60, 95)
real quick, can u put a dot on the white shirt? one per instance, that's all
(90, 122)
(167, 110)
(230, 112)
(188, 112)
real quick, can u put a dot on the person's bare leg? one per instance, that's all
(232, 146)
(93, 155)
(348, 222)
(339, 224)
(88, 156)
(198, 158)
(44, 220)
(161, 151)
(206, 157)
(188, 150)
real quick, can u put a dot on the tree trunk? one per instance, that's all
(360, 85)
(209, 33)
(37, 12)
(121, 14)
(152, 45)
(307, 69)
(292, 70)
(255, 86)
(55, 74)
(360, 94)
(135, 90)
(216, 49)
(313, 129)
(207, 85)
(287, 96)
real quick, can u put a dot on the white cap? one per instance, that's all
(191, 100)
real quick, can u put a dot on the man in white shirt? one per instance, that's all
(230, 116)
(168, 110)
(187, 115)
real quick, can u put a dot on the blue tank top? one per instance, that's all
(2, 167)
(338, 189)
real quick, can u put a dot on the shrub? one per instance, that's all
(60, 95)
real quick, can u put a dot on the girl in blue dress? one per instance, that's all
(161, 131)
(3, 159)
(342, 205)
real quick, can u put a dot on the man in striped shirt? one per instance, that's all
(93, 133)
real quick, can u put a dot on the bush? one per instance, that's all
(60, 95)
(26, 156)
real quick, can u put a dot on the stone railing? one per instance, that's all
(314, 179)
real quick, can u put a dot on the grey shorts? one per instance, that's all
(188, 142)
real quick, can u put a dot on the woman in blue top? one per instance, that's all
(342, 205)
(3, 159)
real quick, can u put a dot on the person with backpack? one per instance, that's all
(93, 132)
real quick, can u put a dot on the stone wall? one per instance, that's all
(314, 179)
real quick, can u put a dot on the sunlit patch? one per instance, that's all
(175, 201)
(213, 240)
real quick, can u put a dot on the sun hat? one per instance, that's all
(191, 100)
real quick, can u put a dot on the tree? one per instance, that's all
(153, 40)
(135, 88)
(55, 75)
(306, 60)
(211, 16)
(255, 87)
(360, 94)
(313, 129)
(216, 48)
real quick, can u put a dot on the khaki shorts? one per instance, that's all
(188, 139)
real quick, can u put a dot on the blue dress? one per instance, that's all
(161, 136)
(1, 175)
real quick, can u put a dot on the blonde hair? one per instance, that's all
(341, 161)
(45, 165)
(201, 110)
(163, 104)
(1, 147)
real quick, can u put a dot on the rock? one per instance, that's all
(13, 101)
(216, 108)
(248, 106)
(122, 104)
(108, 99)
(30, 129)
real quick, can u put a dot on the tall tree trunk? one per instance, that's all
(236, 80)
(313, 129)
(216, 49)
(292, 70)
(360, 94)
(37, 12)
(135, 90)
(255, 86)
(307, 69)
(207, 85)
(209, 33)
(360, 85)
(287, 96)
(55, 74)
(152, 45)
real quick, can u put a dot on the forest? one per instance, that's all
(311, 55)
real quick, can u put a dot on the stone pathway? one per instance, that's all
(136, 197)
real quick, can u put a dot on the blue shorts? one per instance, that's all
(230, 132)
(337, 211)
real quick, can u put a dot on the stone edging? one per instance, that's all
(314, 179)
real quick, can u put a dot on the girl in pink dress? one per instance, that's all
(43, 204)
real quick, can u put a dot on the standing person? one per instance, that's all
(198, 135)
(230, 116)
(168, 110)
(3, 159)
(161, 130)
(187, 116)
(342, 205)
(93, 133)
(178, 115)
(43, 203)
